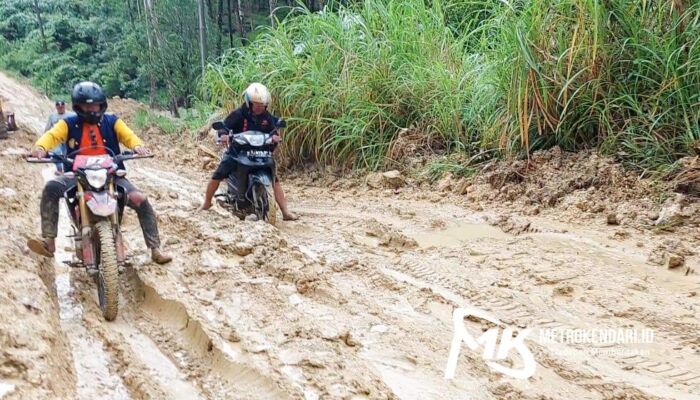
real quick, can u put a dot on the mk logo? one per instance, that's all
(489, 339)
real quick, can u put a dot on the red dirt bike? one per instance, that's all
(96, 206)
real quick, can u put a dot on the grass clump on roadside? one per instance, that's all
(481, 76)
(348, 81)
(143, 119)
(191, 120)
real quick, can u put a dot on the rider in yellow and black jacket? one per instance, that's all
(92, 132)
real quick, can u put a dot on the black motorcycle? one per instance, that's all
(249, 187)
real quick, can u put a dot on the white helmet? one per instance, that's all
(258, 93)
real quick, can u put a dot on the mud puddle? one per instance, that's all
(457, 235)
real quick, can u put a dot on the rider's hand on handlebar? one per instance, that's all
(39, 152)
(224, 140)
(142, 151)
(276, 139)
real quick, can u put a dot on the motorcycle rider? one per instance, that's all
(252, 115)
(92, 132)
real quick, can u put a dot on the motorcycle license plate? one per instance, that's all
(258, 153)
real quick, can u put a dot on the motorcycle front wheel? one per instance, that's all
(108, 270)
(265, 205)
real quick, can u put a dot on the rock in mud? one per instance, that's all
(445, 184)
(7, 192)
(511, 225)
(612, 219)
(389, 237)
(598, 208)
(348, 339)
(671, 213)
(374, 180)
(383, 180)
(172, 241)
(675, 261)
(393, 179)
(564, 290)
(670, 252)
(462, 187)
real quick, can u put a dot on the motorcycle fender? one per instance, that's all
(102, 204)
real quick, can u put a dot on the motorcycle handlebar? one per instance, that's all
(35, 160)
(54, 158)
(132, 156)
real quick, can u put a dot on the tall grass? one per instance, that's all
(349, 81)
(479, 75)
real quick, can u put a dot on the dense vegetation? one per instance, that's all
(145, 49)
(482, 76)
(365, 83)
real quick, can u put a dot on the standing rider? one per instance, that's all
(91, 132)
(252, 115)
(53, 118)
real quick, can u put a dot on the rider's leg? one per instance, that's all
(138, 201)
(226, 166)
(50, 198)
(282, 202)
(209, 194)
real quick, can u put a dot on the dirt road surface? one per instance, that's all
(353, 301)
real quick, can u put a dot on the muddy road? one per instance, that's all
(353, 301)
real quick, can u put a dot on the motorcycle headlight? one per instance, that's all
(96, 177)
(255, 140)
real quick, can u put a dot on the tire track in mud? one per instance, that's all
(207, 352)
(425, 286)
(303, 371)
(113, 360)
(519, 311)
(94, 377)
(511, 310)
(161, 352)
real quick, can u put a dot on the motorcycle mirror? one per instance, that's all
(218, 125)
(281, 123)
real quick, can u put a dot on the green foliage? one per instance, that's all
(479, 75)
(144, 119)
(581, 73)
(441, 166)
(192, 119)
(350, 81)
(81, 42)
(107, 41)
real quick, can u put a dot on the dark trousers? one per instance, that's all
(54, 190)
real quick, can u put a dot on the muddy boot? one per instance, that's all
(44, 248)
(160, 257)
